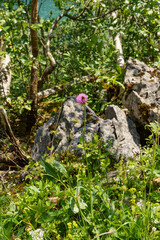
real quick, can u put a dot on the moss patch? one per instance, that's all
(144, 110)
(129, 89)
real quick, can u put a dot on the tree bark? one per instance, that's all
(5, 72)
(31, 120)
(118, 45)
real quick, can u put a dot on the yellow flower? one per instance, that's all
(69, 225)
(75, 224)
(70, 236)
(132, 190)
(133, 201)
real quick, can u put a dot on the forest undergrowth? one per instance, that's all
(93, 197)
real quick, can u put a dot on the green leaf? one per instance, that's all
(82, 204)
(74, 206)
(28, 107)
(12, 207)
(100, 47)
(2, 32)
(25, 24)
(156, 173)
(34, 188)
(49, 169)
(54, 167)
(36, 26)
(60, 168)
(94, 39)
(80, 146)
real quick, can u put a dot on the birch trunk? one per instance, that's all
(118, 45)
(5, 73)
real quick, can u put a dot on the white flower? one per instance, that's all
(140, 203)
(37, 234)
(154, 229)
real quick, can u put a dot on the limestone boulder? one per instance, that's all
(63, 132)
(142, 91)
(126, 139)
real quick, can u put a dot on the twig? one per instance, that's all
(91, 19)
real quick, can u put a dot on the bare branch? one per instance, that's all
(84, 9)
(48, 92)
(91, 19)
(52, 66)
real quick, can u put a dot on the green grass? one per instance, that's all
(72, 198)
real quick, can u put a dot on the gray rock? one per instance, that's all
(126, 139)
(142, 94)
(118, 132)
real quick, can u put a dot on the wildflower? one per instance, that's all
(69, 224)
(132, 190)
(37, 234)
(58, 236)
(140, 203)
(154, 229)
(70, 236)
(75, 224)
(124, 188)
(81, 98)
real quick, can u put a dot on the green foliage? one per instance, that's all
(72, 198)
(83, 200)
(54, 169)
(80, 48)
(142, 30)
(20, 104)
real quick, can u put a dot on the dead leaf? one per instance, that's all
(156, 179)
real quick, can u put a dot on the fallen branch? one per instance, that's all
(57, 89)
(48, 92)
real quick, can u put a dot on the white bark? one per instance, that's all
(48, 92)
(118, 45)
(5, 76)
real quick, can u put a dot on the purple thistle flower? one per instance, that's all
(81, 98)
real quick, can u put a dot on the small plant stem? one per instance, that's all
(146, 216)
(89, 177)
(148, 211)
(153, 167)
(75, 198)
(89, 174)
(84, 129)
(67, 150)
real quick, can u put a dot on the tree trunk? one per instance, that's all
(118, 45)
(5, 72)
(34, 71)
